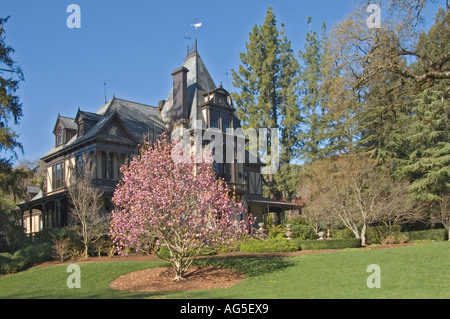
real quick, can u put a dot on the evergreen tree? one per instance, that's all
(313, 103)
(11, 74)
(289, 107)
(10, 106)
(267, 80)
(415, 135)
(428, 161)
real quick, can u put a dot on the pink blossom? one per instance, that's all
(163, 203)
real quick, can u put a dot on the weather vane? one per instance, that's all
(196, 25)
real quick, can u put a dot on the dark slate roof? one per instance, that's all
(199, 82)
(137, 120)
(88, 115)
(67, 122)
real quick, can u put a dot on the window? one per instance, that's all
(59, 137)
(214, 120)
(104, 165)
(58, 176)
(216, 169)
(79, 164)
(225, 123)
(80, 129)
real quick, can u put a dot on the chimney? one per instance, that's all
(180, 110)
(161, 104)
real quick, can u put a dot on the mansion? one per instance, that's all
(112, 134)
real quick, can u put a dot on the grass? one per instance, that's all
(419, 271)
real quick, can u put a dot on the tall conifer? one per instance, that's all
(266, 83)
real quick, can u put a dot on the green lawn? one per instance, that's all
(419, 271)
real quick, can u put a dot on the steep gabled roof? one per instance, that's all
(136, 120)
(140, 119)
(199, 82)
(87, 116)
(66, 122)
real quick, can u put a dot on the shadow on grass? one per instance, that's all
(250, 266)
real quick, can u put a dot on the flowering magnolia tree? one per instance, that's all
(181, 206)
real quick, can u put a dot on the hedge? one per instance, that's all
(24, 258)
(376, 234)
(429, 234)
(329, 244)
(268, 246)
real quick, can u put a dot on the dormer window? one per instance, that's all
(85, 121)
(65, 128)
(59, 136)
(80, 129)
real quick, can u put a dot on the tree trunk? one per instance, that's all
(363, 235)
(179, 272)
(86, 252)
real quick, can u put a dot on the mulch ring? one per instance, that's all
(162, 279)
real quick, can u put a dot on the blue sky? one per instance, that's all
(133, 45)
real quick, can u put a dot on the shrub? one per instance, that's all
(104, 246)
(383, 234)
(10, 264)
(25, 257)
(269, 246)
(302, 232)
(276, 231)
(76, 254)
(61, 248)
(329, 244)
(35, 254)
(430, 234)
(398, 238)
(344, 233)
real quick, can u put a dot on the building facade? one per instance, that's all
(112, 134)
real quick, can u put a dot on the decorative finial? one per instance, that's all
(196, 25)
(187, 37)
(104, 85)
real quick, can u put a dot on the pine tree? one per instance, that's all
(289, 106)
(10, 106)
(267, 80)
(313, 104)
